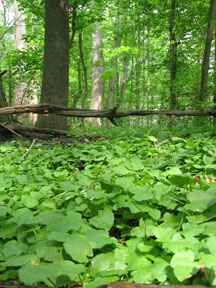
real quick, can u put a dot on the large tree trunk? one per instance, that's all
(56, 61)
(207, 51)
(173, 55)
(97, 74)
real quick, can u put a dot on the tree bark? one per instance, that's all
(173, 55)
(3, 100)
(97, 74)
(114, 84)
(56, 61)
(207, 51)
(73, 25)
(84, 68)
(214, 78)
(88, 113)
(123, 80)
(20, 31)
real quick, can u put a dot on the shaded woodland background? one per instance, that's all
(135, 55)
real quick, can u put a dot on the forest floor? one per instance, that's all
(112, 205)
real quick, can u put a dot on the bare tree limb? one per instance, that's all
(55, 109)
(109, 114)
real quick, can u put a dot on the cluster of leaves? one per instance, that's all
(135, 209)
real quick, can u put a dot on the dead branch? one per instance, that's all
(110, 114)
(11, 130)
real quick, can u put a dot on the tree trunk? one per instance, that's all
(84, 69)
(73, 25)
(20, 31)
(123, 80)
(173, 55)
(3, 100)
(214, 78)
(97, 74)
(56, 61)
(114, 85)
(111, 92)
(207, 51)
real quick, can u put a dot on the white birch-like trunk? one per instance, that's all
(20, 31)
(22, 87)
(97, 73)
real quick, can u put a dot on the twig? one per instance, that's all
(29, 149)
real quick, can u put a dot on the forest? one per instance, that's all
(107, 143)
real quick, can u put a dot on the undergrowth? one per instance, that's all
(133, 207)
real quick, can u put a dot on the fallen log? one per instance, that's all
(110, 114)
(9, 131)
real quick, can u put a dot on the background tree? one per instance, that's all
(207, 50)
(173, 54)
(97, 73)
(56, 61)
(141, 39)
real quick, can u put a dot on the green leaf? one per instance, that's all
(48, 203)
(3, 211)
(173, 171)
(181, 180)
(183, 264)
(208, 261)
(99, 238)
(69, 269)
(71, 221)
(104, 219)
(13, 248)
(135, 164)
(35, 274)
(142, 270)
(20, 260)
(114, 262)
(29, 201)
(48, 217)
(78, 247)
(58, 236)
(23, 216)
(200, 200)
(154, 213)
(103, 262)
(142, 193)
(121, 170)
(163, 234)
(177, 243)
(101, 281)
(210, 244)
(144, 247)
(160, 190)
(159, 270)
(48, 252)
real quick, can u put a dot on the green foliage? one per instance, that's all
(109, 210)
(135, 48)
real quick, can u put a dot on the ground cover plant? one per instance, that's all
(140, 209)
